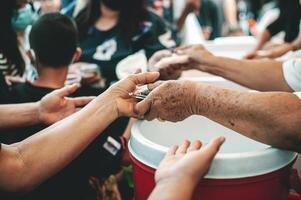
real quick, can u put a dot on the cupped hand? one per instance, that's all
(188, 162)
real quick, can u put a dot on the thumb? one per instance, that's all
(143, 107)
(212, 148)
(153, 86)
(67, 90)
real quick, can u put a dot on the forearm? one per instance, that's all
(230, 10)
(258, 75)
(173, 190)
(182, 19)
(264, 38)
(19, 115)
(273, 118)
(50, 150)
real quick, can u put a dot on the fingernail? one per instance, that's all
(222, 139)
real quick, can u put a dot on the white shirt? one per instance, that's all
(292, 74)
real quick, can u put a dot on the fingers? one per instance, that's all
(183, 148)
(67, 90)
(143, 107)
(138, 71)
(153, 86)
(158, 56)
(173, 60)
(172, 150)
(81, 101)
(182, 48)
(195, 146)
(144, 78)
(212, 148)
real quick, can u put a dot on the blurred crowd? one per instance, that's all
(47, 44)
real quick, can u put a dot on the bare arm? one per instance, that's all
(264, 37)
(191, 6)
(28, 163)
(273, 118)
(230, 10)
(177, 189)
(258, 75)
(19, 115)
(52, 108)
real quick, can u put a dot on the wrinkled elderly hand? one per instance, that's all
(118, 94)
(171, 100)
(55, 106)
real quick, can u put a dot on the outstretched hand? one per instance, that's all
(56, 105)
(189, 161)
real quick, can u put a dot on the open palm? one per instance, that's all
(189, 161)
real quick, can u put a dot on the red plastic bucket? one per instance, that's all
(244, 182)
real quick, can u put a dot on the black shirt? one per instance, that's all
(288, 20)
(107, 48)
(72, 182)
(209, 16)
(4, 91)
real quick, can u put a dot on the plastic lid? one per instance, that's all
(239, 156)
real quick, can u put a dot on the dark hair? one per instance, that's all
(8, 38)
(132, 13)
(54, 39)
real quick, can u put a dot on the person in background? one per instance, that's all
(50, 6)
(288, 21)
(210, 20)
(280, 50)
(271, 117)
(165, 9)
(182, 168)
(111, 30)
(53, 54)
(13, 18)
(26, 164)
(4, 90)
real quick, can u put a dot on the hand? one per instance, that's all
(119, 93)
(187, 162)
(197, 54)
(171, 100)
(167, 72)
(55, 106)
(274, 52)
